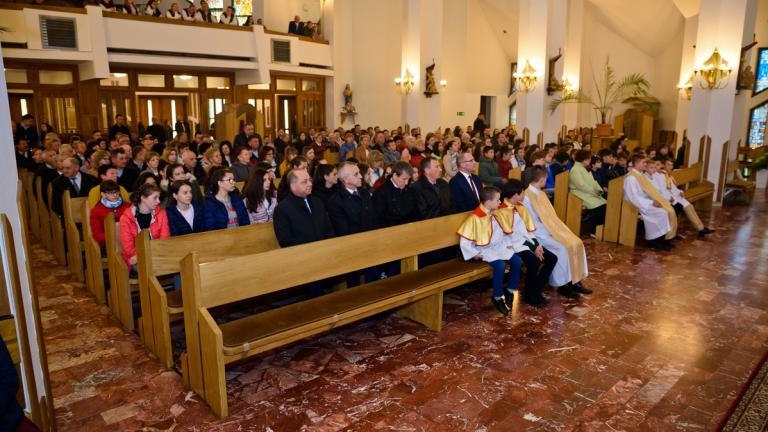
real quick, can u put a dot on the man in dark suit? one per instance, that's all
(125, 177)
(182, 126)
(157, 130)
(300, 217)
(47, 172)
(479, 124)
(393, 201)
(296, 26)
(27, 130)
(23, 158)
(78, 184)
(119, 127)
(242, 138)
(351, 211)
(432, 194)
(465, 186)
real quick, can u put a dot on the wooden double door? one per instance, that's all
(165, 108)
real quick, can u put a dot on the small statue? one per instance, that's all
(431, 85)
(347, 95)
(747, 78)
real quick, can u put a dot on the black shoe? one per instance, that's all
(705, 231)
(678, 238)
(581, 289)
(568, 292)
(660, 245)
(500, 306)
(509, 298)
(535, 302)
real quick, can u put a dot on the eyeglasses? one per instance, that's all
(228, 179)
(468, 160)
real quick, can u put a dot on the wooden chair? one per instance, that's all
(72, 225)
(43, 215)
(696, 189)
(417, 295)
(737, 183)
(57, 231)
(94, 262)
(162, 257)
(120, 285)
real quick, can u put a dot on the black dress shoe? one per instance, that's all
(705, 231)
(568, 292)
(581, 289)
(660, 245)
(535, 302)
(509, 298)
(500, 306)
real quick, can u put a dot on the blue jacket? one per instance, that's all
(215, 213)
(10, 411)
(179, 225)
(464, 199)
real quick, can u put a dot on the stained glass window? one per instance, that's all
(757, 118)
(761, 77)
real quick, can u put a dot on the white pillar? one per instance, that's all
(411, 61)
(556, 41)
(686, 69)
(721, 26)
(572, 60)
(532, 47)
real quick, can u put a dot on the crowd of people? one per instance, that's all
(190, 13)
(304, 28)
(325, 183)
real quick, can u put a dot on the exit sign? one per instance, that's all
(460, 113)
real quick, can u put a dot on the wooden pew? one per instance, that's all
(43, 215)
(162, 257)
(621, 217)
(120, 285)
(94, 262)
(417, 295)
(697, 190)
(515, 173)
(568, 207)
(737, 183)
(28, 188)
(73, 214)
(57, 231)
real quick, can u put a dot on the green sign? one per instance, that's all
(460, 113)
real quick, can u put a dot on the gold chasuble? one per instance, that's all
(508, 213)
(478, 227)
(560, 232)
(655, 194)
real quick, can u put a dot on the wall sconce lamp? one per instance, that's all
(686, 88)
(526, 78)
(405, 82)
(714, 72)
(443, 83)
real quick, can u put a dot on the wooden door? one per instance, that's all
(164, 108)
(21, 104)
(113, 103)
(310, 112)
(286, 115)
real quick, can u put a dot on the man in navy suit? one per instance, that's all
(465, 186)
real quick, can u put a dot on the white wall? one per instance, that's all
(665, 80)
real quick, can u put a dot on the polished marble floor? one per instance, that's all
(664, 344)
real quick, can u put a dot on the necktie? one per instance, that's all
(474, 189)
(74, 184)
(309, 209)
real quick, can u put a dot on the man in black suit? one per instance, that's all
(432, 194)
(23, 158)
(47, 172)
(351, 211)
(182, 126)
(78, 184)
(242, 138)
(394, 201)
(125, 177)
(157, 130)
(27, 130)
(465, 186)
(296, 26)
(119, 127)
(300, 217)
(479, 124)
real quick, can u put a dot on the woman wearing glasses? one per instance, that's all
(223, 206)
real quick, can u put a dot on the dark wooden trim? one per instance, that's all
(22, 6)
(175, 54)
(17, 45)
(163, 20)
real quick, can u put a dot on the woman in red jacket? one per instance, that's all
(145, 213)
(110, 202)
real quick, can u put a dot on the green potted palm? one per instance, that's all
(610, 91)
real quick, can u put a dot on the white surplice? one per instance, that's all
(655, 219)
(501, 247)
(672, 194)
(561, 274)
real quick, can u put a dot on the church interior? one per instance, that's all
(395, 322)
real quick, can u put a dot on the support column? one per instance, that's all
(686, 69)
(532, 47)
(721, 26)
(572, 60)
(556, 41)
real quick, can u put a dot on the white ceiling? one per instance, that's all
(502, 17)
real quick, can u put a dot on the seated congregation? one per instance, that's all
(321, 186)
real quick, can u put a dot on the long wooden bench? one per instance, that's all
(94, 261)
(568, 207)
(43, 215)
(28, 188)
(72, 208)
(737, 183)
(121, 286)
(414, 294)
(620, 216)
(57, 231)
(162, 257)
(515, 173)
(697, 190)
